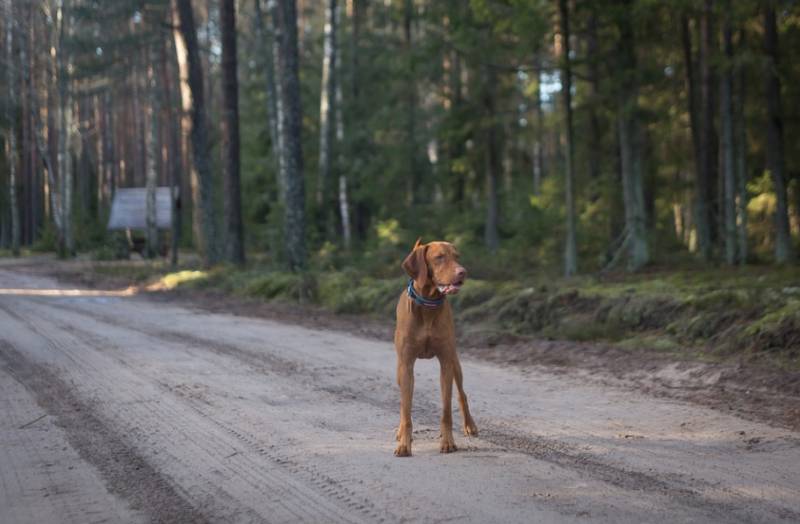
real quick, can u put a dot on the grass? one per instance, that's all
(751, 313)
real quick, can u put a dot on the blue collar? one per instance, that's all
(422, 301)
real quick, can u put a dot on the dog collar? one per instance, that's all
(422, 301)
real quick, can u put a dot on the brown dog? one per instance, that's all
(425, 330)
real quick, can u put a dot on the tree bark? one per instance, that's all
(412, 179)
(204, 204)
(175, 151)
(707, 138)
(234, 241)
(631, 147)
(294, 201)
(280, 102)
(327, 103)
(570, 244)
(740, 148)
(344, 205)
(11, 129)
(493, 164)
(726, 142)
(65, 130)
(784, 252)
(266, 43)
(152, 145)
(538, 140)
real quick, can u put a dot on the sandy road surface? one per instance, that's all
(122, 409)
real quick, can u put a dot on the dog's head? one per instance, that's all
(436, 264)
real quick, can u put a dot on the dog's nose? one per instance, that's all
(461, 272)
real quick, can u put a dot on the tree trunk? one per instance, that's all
(537, 152)
(707, 139)
(11, 129)
(493, 164)
(593, 63)
(274, 9)
(175, 151)
(266, 43)
(186, 130)
(65, 130)
(294, 208)
(152, 145)
(784, 252)
(631, 148)
(327, 103)
(204, 204)
(412, 177)
(570, 247)
(726, 142)
(234, 242)
(344, 211)
(740, 148)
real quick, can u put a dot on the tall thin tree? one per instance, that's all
(630, 147)
(65, 126)
(570, 242)
(327, 102)
(11, 131)
(199, 133)
(234, 243)
(727, 142)
(292, 150)
(784, 251)
(153, 146)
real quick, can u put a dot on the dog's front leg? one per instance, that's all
(447, 444)
(405, 379)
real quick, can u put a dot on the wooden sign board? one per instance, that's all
(129, 209)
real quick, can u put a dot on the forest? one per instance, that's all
(560, 136)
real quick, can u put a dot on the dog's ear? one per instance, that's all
(417, 244)
(416, 266)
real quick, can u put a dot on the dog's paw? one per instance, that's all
(402, 450)
(447, 446)
(470, 429)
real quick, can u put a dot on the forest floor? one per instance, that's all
(125, 405)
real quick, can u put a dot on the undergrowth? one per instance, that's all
(745, 313)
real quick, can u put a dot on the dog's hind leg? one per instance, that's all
(470, 429)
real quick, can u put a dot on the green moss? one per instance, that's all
(276, 285)
(174, 280)
(653, 342)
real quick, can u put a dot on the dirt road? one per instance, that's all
(117, 408)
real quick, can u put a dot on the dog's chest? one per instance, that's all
(430, 342)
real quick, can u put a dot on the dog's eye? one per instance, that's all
(439, 258)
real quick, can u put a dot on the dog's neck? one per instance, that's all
(428, 293)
